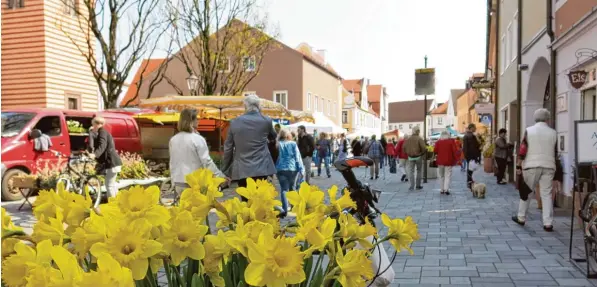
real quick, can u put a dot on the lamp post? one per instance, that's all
(192, 83)
(425, 132)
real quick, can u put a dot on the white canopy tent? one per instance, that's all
(322, 124)
(360, 133)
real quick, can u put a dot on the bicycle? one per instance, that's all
(80, 181)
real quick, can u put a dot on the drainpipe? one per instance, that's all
(519, 72)
(496, 80)
(552, 61)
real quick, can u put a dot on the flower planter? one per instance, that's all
(488, 165)
(431, 171)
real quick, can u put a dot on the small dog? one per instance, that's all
(479, 190)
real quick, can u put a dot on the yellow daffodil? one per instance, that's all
(93, 230)
(183, 239)
(7, 224)
(234, 208)
(308, 200)
(16, 268)
(70, 273)
(131, 246)
(274, 261)
(352, 231)
(339, 204)
(355, 268)
(261, 192)
(197, 203)
(243, 233)
(401, 232)
(204, 182)
(52, 229)
(317, 236)
(137, 202)
(217, 253)
(8, 246)
(109, 274)
(74, 207)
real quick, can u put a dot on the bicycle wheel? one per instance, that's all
(64, 180)
(94, 185)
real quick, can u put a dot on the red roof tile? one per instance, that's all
(352, 85)
(441, 110)
(374, 93)
(147, 67)
(408, 111)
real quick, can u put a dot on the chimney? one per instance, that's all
(321, 53)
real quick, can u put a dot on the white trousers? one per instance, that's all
(444, 174)
(543, 177)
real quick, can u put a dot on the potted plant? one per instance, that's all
(488, 158)
(431, 171)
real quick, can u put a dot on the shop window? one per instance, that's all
(589, 104)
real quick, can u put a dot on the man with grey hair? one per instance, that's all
(246, 152)
(415, 149)
(538, 154)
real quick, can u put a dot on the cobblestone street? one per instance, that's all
(464, 241)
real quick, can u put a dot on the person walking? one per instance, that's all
(104, 152)
(500, 155)
(357, 147)
(323, 150)
(376, 152)
(342, 148)
(288, 166)
(402, 158)
(460, 155)
(189, 151)
(446, 157)
(306, 146)
(539, 165)
(384, 144)
(415, 149)
(391, 155)
(246, 152)
(472, 152)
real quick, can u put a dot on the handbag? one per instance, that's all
(473, 165)
(433, 162)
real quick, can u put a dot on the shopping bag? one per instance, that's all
(473, 165)
(380, 261)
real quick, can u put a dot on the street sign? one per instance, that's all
(425, 81)
(484, 108)
(485, 119)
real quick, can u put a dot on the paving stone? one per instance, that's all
(573, 282)
(460, 280)
(459, 273)
(452, 262)
(435, 280)
(530, 277)
(536, 283)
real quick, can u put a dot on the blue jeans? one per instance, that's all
(326, 163)
(287, 180)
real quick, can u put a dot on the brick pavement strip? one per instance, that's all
(464, 241)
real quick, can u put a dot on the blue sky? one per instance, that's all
(385, 40)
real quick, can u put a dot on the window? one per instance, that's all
(223, 64)
(248, 93)
(315, 103)
(334, 109)
(329, 107)
(70, 7)
(322, 107)
(440, 121)
(13, 4)
(72, 101)
(509, 44)
(410, 126)
(308, 101)
(400, 126)
(514, 37)
(49, 125)
(249, 63)
(589, 104)
(344, 117)
(281, 97)
(503, 54)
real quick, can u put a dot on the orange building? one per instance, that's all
(41, 67)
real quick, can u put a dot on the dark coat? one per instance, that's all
(471, 147)
(105, 151)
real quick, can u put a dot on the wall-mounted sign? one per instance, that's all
(485, 119)
(485, 108)
(577, 78)
(562, 103)
(283, 122)
(425, 81)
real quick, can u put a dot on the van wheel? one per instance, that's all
(9, 192)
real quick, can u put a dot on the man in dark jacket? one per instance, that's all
(500, 155)
(306, 146)
(472, 151)
(104, 152)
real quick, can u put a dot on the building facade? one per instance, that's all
(507, 116)
(406, 115)
(356, 119)
(438, 119)
(41, 66)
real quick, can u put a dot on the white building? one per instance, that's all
(356, 120)
(452, 107)
(438, 119)
(405, 115)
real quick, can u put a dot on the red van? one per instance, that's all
(19, 156)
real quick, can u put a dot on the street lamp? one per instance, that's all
(192, 83)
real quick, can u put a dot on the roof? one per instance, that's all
(408, 111)
(353, 85)
(374, 93)
(146, 67)
(441, 110)
(313, 57)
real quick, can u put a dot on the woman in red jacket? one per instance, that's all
(402, 157)
(446, 156)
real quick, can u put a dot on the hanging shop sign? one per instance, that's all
(425, 81)
(577, 78)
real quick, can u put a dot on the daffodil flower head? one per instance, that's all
(234, 208)
(217, 253)
(355, 268)
(318, 236)
(339, 204)
(7, 224)
(93, 230)
(52, 228)
(67, 271)
(274, 261)
(109, 273)
(352, 232)
(245, 232)
(197, 203)
(401, 233)
(309, 199)
(137, 202)
(131, 245)
(16, 267)
(203, 181)
(47, 203)
(184, 238)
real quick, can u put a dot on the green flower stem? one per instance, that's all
(330, 276)
(11, 233)
(168, 273)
